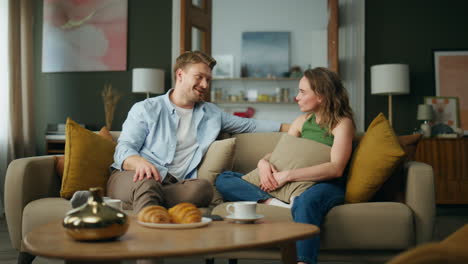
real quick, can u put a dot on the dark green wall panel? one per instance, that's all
(397, 31)
(78, 94)
(407, 31)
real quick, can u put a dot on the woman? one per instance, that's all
(328, 119)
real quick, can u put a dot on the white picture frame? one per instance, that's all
(224, 66)
(445, 109)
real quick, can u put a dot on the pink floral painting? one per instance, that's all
(84, 35)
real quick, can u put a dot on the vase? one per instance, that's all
(95, 220)
(426, 129)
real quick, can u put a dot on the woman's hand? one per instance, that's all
(281, 177)
(265, 171)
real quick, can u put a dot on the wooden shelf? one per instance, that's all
(55, 146)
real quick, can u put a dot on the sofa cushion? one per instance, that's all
(87, 160)
(374, 160)
(379, 225)
(218, 158)
(60, 160)
(43, 211)
(293, 153)
(251, 147)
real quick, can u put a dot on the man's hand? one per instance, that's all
(142, 168)
(265, 171)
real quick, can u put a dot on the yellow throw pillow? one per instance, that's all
(60, 160)
(87, 160)
(218, 158)
(374, 160)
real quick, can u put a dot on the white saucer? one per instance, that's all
(244, 220)
(204, 222)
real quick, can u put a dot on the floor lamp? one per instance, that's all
(145, 80)
(390, 79)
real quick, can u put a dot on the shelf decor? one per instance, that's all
(110, 99)
(224, 66)
(450, 68)
(265, 54)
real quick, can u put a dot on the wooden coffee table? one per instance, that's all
(50, 240)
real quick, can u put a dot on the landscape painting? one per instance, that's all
(265, 54)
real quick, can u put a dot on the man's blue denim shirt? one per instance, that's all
(150, 131)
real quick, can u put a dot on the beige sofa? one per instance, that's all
(363, 231)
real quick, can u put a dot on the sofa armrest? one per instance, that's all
(420, 197)
(26, 180)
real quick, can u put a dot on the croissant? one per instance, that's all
(185, 213)
(154, 214)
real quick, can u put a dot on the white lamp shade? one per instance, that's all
(425, 112)
(390, 79)
(148, 81)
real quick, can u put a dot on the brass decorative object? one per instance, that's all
(95, 220)
(110, 99)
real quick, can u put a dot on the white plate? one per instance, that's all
(205, 221)
(244, 220)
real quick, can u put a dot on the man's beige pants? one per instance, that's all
(140, 194)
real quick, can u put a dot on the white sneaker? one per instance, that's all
(276, 202)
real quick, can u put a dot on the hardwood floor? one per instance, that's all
(449, 218)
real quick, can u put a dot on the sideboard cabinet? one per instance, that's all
(449, 159)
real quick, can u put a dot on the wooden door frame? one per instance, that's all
(332, 36)
(201, 18)
(332, 30)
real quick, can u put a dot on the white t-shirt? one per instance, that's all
(186, 143)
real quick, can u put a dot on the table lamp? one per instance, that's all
(390, 79)
(148, 81)
(425, 114)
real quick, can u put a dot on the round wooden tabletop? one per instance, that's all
(141, 242)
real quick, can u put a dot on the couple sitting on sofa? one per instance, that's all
(164, 139)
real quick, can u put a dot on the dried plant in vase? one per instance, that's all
(110, 99)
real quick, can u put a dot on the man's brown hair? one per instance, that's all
(193, 57)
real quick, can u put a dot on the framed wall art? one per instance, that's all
(446, 110)
(265, 54)
(224, 67)
(84, 36)
(451, 80)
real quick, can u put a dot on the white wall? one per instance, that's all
(306, 21)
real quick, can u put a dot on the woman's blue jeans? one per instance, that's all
(310, 207)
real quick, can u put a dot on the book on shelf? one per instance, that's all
(55, 137)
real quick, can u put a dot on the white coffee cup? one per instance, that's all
(242, 210)
(116, 203)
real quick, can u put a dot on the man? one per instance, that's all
(164, 139)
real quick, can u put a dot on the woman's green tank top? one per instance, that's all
(312, 130)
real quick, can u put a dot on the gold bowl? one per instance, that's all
(95, 220)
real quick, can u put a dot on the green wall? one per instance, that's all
(402, 31)
(78, 94)
(397, 31)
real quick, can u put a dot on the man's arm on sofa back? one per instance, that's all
(26, 180)
(420, 197)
